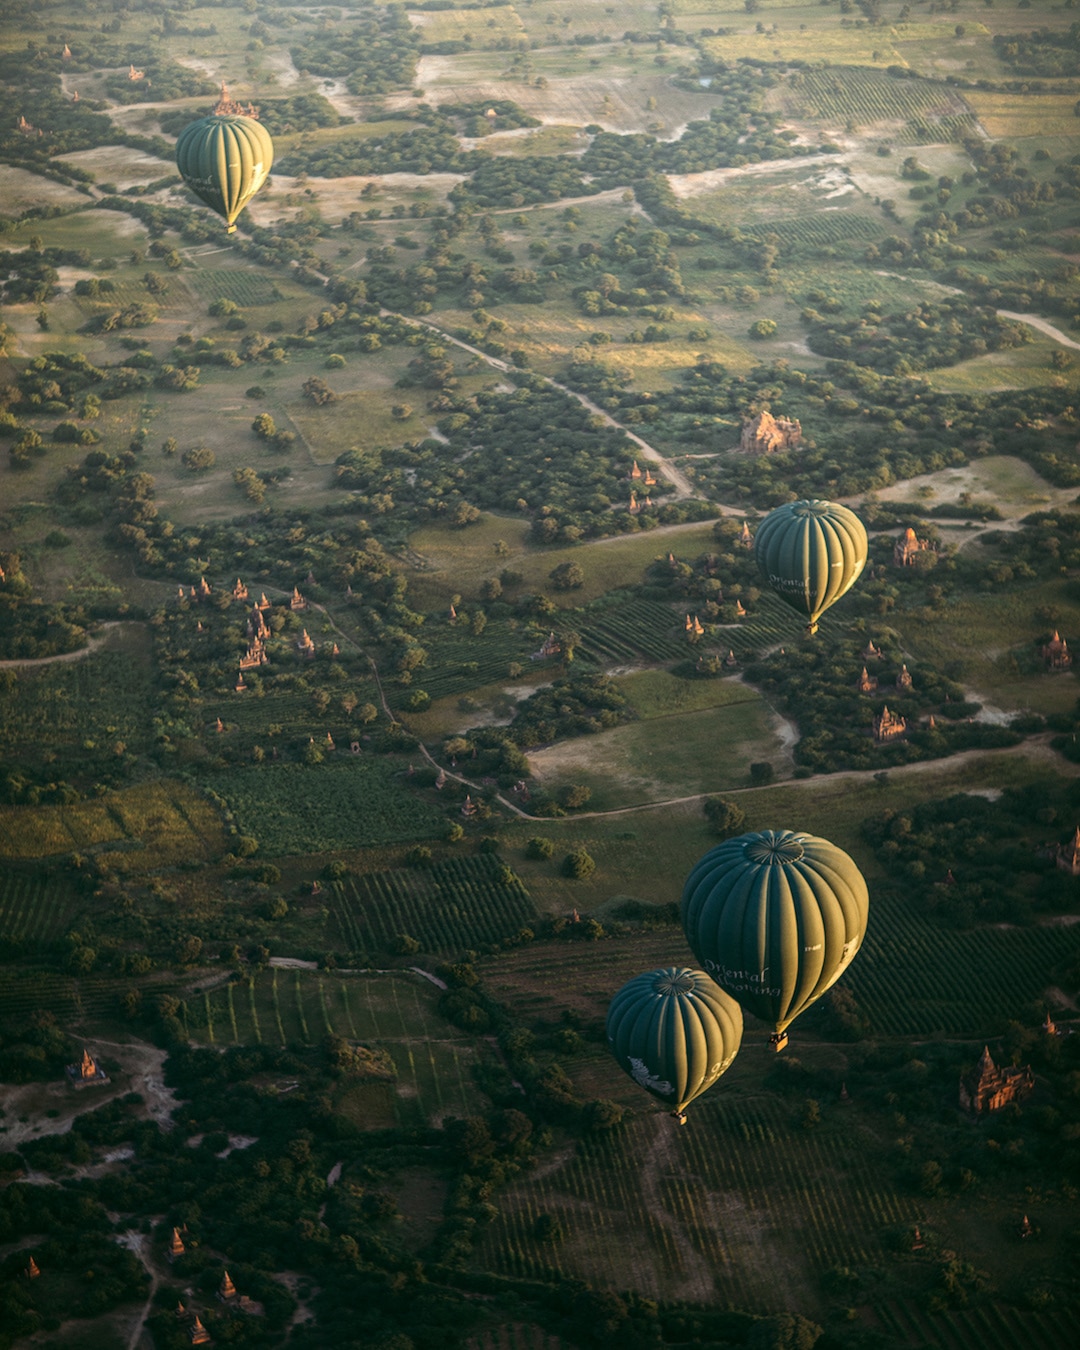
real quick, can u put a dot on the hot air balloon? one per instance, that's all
(775, 918)
(811, 553)
(226, 157)
(674, 1032)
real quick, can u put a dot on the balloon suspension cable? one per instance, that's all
(777, 1041)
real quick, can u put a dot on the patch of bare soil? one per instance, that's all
(26, 1106)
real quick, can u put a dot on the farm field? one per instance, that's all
(139, 828)
(672, 756)
(450, 906)
(430, 1073)
(358, 801)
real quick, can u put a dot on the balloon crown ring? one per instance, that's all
(774, 852)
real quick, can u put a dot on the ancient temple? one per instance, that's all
(990, 1088)
(240, 591)
(226, 1290)
(176, 1245)
(305, 646)
(1067, 856)
(903, 680)
(33, 1270)
(767, 435)
(745, 537)
(549, 647)
(887, 725)
(908, 547)
(297, 602)
(198, 1334)
(87, 1072)
(1056, 653)
(870, 652)
(867, 683)
(635, 472)
(468, 808)
(255, 656)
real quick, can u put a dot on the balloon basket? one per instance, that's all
(680, 1116)
(777, 1041)
(811, 629)
(230, 229)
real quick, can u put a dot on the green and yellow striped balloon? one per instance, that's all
(811, 553)
(225, 159)
(674, 1031)
(775, 917)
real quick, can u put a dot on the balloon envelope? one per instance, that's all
(775, 918)
(674, 1032)
(810, 553)
(225, 159)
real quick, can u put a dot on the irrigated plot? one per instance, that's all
(451, 906)
(421, 1068)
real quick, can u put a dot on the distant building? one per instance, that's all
(867, 683)
(870, 652)
(908, 547)
(887, 726)
(989, 1088)
(768, 435)
(87, 1072)
(549, 647)
(1067, 856)
(745, 537)
(903, 680)
(1056, 653)
(176, 1245)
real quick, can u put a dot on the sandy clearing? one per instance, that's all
(693, 184)
(338, 197)
(20, 189)
(124, 167)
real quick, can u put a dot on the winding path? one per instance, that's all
(29, 661)
(679, 481)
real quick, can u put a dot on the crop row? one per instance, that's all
(913, 979)
(824, 227)
(26, 990)
(457, 904)
(959, 127)
(236, 284)
(392, 1012)
(102, 698)
(990, 1326)
(33, 911)
(755, 1179)
(871, 96)
(627, 632)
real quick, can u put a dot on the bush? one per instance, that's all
(578, 865)
(539, 849)
(761, 773)
(726, 816)
(763, 328)
(198, 459)
(573, 796)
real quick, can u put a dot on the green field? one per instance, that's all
(433, 1062)
(354, 801)
(450, 906)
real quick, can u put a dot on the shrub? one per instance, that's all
(198, 459)
(578, 865)
(539, 849)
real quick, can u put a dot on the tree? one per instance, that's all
(574, 795)
(539, 849)
(568, 576)
(761, 773)
(198, 459)
(763, 328)
(317, 391)
(264, 427)
(725, 815)
(578, 865)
